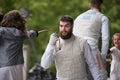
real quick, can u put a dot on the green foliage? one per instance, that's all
(46, 13)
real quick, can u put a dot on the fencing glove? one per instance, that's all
(53, 38)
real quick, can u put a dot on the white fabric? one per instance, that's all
(104, 34)
(53, 38)
(93, 42)
(102, 70)
(70, 58)
(71, 79)
(115, 64)
(11, 72)
(49, 56)
(88, 24)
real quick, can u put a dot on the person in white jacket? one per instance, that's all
(70, 53)
(91, 25)
(115, 53)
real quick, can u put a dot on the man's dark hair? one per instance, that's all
(67, 18)
(98, 2)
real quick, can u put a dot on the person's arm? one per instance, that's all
(76, 25)
(93, 66)
(48, 55)
(105, 36)
(112, 52)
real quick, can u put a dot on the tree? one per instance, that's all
(46, 13)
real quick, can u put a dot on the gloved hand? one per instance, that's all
(53, 38)
(32, 33)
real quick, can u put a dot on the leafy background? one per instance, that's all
(45, 15)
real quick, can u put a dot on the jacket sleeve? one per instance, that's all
(105, 36)
(48, 56)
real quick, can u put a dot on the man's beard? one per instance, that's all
(67, 36)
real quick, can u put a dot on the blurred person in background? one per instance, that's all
(13, 32)
(115, 54)
(91, 25)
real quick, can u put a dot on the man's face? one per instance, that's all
(65, 29)
(116, 41)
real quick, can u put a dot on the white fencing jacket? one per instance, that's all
(102, 31)
(52, 53)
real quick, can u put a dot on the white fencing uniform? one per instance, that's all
(91, 25)
(115, 64)
(70, 58)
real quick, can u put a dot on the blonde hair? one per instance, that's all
(14, 19)
(116, 34)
